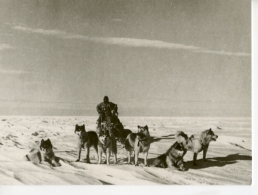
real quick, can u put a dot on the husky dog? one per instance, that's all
(86, 140)
(43, 154)
(106, 145)
(198, 143)
(138, 142)
(123, 135)
(173, 157)
(120, 133)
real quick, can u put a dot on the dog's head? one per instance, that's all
(179, 149)
(79, 130)
(182, 138)
(45, 146)
(104, 137)
(208, 136)
(143, 132)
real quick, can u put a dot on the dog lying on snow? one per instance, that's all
(43, 154)
(138, 142)
(198, 143)
(174, 155)
(86, 140)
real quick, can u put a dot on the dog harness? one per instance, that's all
(143, 142)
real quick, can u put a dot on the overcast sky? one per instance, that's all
(159, 58)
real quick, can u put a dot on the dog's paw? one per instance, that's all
(146, 165)
(77, 160)
(136, 165)
(182, 169)
(51, 165)
(87, 161)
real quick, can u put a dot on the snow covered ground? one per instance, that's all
(229, 158)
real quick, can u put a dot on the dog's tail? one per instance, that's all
(127, 144)
(130, 138)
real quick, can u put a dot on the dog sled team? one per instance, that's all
(110, 130)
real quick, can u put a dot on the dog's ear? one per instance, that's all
(49, 142)
(179, 133)
(138, 128)
(83, 127)
(146, 127)
(76, 127)
(185, 136)
(191, 137)
(181, 137)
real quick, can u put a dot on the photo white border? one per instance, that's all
(169, 189)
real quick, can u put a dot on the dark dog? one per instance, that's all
(117, 131)
(86, 140)
(173, 157)
(123, 135)
(198, 143)
(43, 154)
(138, 142)
(106, 145)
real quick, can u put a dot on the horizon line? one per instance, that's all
(149, 116)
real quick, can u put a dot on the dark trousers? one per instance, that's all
(103, 117)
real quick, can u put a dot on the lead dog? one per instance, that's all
(106, 145)
(139, 143)
(198, 143)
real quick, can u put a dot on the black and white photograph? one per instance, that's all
(126, 92)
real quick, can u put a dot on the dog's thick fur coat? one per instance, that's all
(43, 154)
(198, 143)
(172, 158)
(139, 143)
(106, 144)
(86, 140)
(174, 155)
